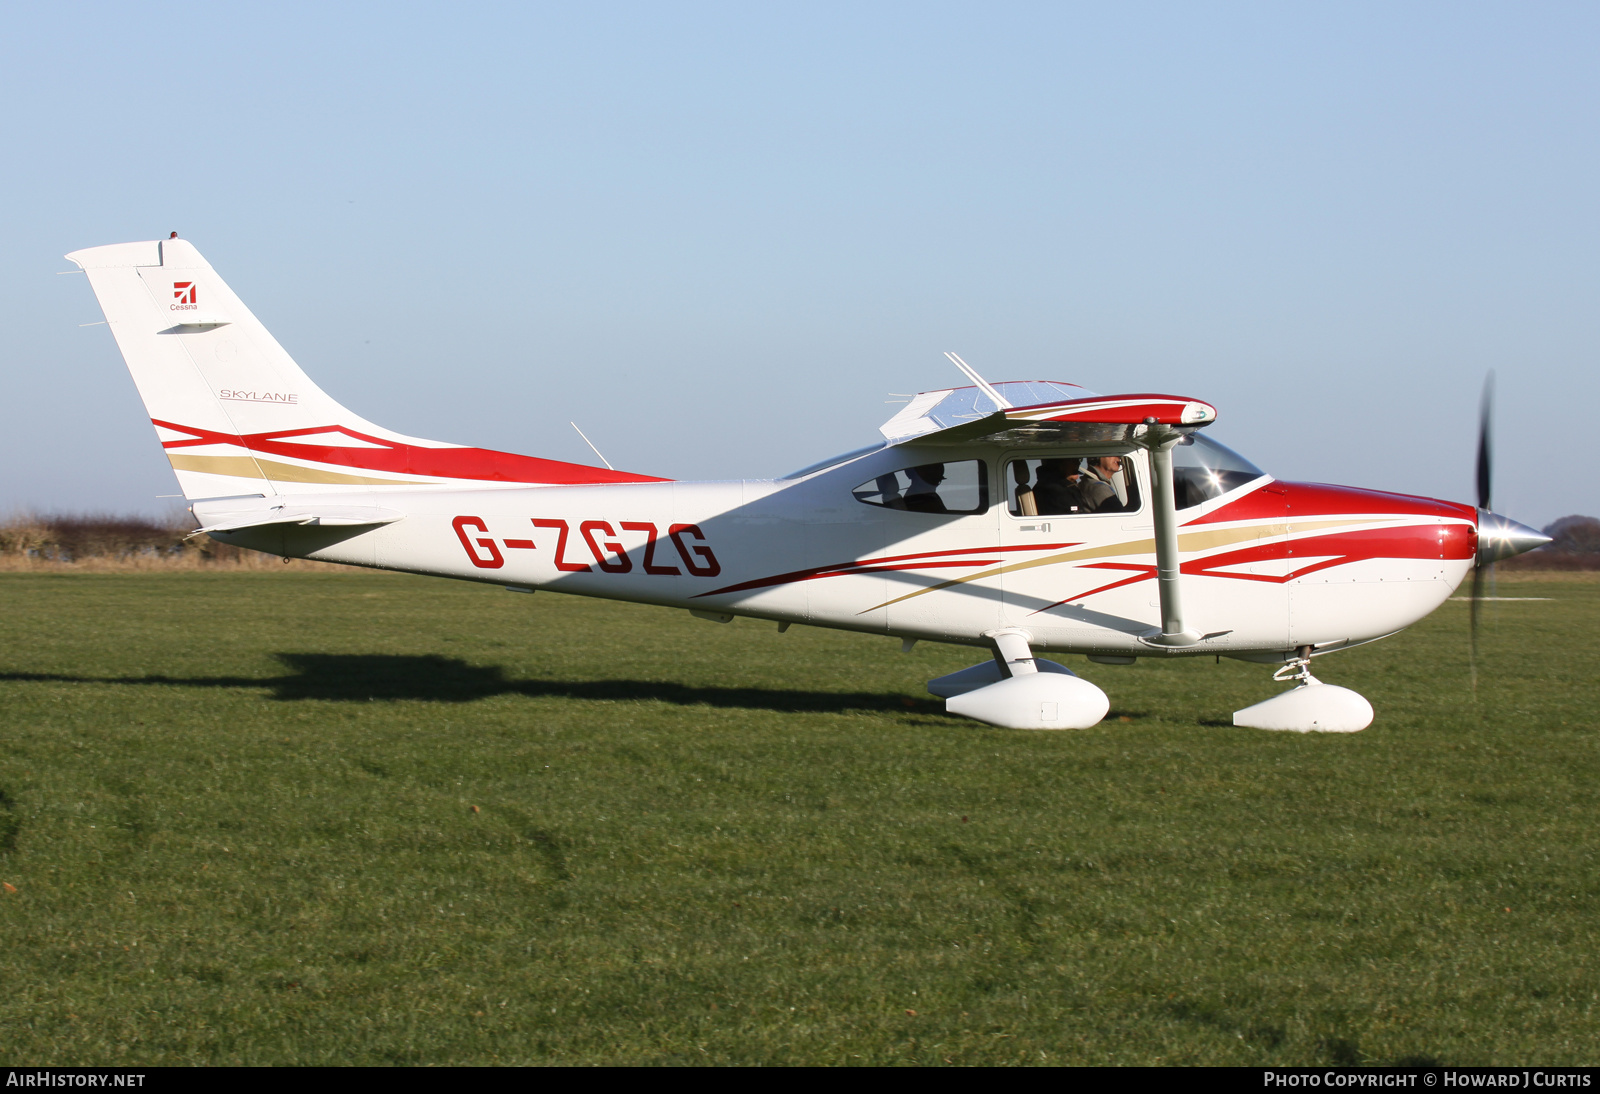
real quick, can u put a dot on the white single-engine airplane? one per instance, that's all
(1017, 517)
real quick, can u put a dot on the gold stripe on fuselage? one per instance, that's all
(1187, 542)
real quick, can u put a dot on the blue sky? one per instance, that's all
(719, 236)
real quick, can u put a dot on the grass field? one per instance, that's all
(305, 818)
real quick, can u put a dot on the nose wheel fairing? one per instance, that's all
(1311, 707)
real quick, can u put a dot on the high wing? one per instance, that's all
(1042, 412)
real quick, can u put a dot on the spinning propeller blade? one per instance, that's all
(1485, 448)
(1498, 537)
(1485, 491)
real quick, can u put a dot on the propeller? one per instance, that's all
(1482, 568)
(1498, 537)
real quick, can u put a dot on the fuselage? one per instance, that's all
(1022, 510)
(1267, 566)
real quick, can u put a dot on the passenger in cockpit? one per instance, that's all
(1058, 492)
(922, 496)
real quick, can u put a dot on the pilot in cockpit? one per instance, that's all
(1099, 494)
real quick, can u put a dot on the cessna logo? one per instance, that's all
(184, 293)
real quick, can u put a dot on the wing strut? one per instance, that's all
(1000, 401)
(1173, 633)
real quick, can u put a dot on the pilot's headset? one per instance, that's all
(1119, 481)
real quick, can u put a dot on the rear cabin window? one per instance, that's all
(1064, 486)
(930, 488)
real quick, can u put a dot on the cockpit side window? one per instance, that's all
(930, 488)
(1073, 485)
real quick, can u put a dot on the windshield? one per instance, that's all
(1202, 469)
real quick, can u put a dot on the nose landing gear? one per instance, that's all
(1311, 707)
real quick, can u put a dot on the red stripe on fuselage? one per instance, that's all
(1314, 499)
(1144, 573)
(482, 464)
(1445, 542)
(888, 562)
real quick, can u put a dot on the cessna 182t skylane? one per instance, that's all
(1016, 517)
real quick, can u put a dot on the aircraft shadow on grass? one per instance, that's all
(364, 677)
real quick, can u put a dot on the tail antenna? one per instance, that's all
(590, 443)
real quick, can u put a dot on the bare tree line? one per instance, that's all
(104, 541)
(1574, 545)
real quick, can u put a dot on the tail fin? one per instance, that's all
(236, 415)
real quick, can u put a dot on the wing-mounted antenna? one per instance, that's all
(1000, 401)
(1160, 440)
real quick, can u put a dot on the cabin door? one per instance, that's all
(1073, 536)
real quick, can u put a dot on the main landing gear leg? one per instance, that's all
(1311, 707)
(1019, 691)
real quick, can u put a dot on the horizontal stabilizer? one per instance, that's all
(237, 514)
